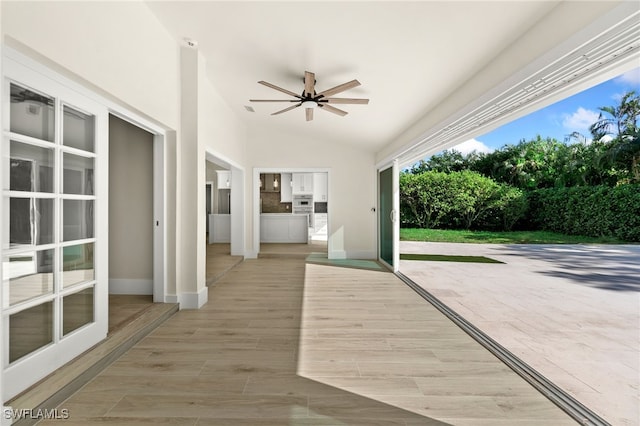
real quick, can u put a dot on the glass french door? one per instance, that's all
(54, 277)
(388, 220)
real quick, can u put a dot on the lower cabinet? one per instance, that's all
(284, 228)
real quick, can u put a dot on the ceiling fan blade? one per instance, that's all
(286, 109)
(274, 100)
(309, 113)
(344, 101)
(280, 89)
(309, 83)
(333, 110)
(341, 88)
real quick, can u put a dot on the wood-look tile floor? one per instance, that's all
(124, 307)
(219, 261)
(284, 342)
(271, 250)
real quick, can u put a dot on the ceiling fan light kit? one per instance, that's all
(311, 100)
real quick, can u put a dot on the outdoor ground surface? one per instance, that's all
(572, 312)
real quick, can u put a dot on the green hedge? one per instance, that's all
(458, 200)
(587, 210)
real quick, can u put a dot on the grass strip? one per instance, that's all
(447, 258)
(489, 237)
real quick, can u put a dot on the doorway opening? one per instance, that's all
(224, 217)
(291, 216)
(131, 221)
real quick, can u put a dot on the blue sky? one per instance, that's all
(575, 113)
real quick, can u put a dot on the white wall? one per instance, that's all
(352, 188)
(119, 47)
(219, 128)
(223, 135)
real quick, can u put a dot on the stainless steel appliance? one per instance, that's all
(303, 204)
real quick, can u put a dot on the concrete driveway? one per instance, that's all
(572, 312)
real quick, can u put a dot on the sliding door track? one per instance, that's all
(566, 402)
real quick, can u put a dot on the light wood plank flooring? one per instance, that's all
(219, 261)
(125, 307)
(285, 342)
(274, 250)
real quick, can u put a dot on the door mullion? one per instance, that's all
(57, 274)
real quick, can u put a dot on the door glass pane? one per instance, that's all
(77, 264)
(30, 221)
(32, 114)
(31, 168)
(28, 275)
(29, 330)
(78, 175)
(78, 129)
(386, 206)
(77, 310)
(78, 219)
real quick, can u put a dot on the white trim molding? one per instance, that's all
(193, 300)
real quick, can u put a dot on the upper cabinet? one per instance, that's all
(302, 183)
(286, 188)
(223, 179)
(320, 187)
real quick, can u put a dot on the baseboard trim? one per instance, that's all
(193, 300)
(337, 254)
(361, 254)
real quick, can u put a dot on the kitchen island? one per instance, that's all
(284, 228)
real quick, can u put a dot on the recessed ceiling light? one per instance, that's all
(190, 42)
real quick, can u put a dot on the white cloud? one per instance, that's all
(580, 121)
(471, 145)
(630, 77)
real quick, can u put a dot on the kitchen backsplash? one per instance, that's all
(271, 203)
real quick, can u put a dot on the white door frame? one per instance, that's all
(35, 365)
(237, 199)
(159, 200)
(159, 162)
(10, 55)
(256, 203)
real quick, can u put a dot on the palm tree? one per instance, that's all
(621, 122)
(617, 120)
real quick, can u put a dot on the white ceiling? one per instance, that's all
(409, 56)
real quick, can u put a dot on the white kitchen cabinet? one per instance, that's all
(224, 179)
(320, 187)
(286, 188)
(302, 183)
(284, 228)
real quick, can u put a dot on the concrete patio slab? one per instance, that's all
(572, 312)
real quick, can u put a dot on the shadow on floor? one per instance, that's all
(615, 267)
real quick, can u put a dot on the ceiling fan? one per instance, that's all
(311, 100)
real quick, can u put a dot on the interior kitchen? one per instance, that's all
(293, 207)
(218, 203)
